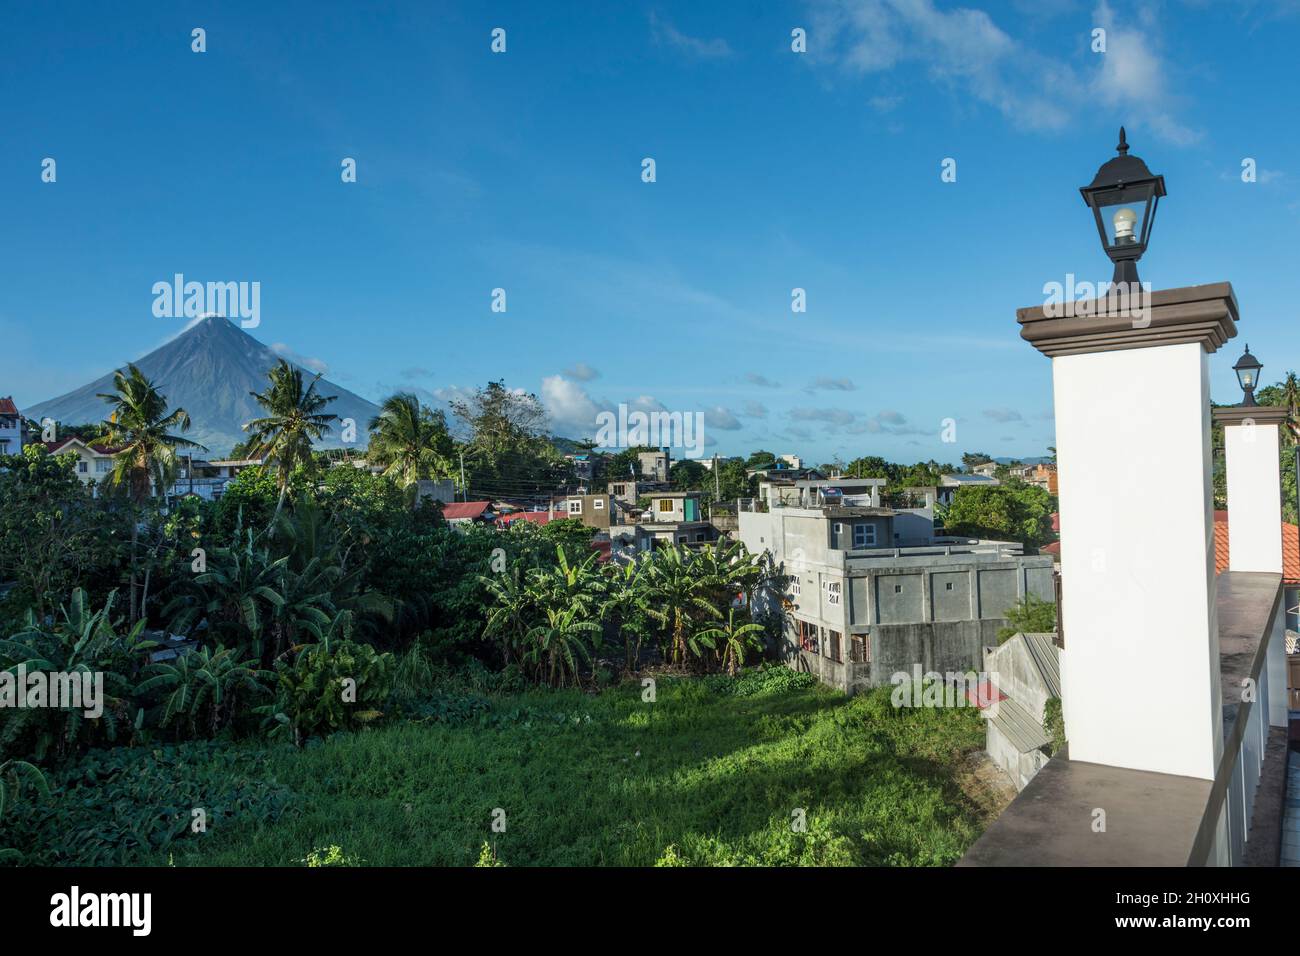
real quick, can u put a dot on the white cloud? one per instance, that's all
(568, 405)
(762, 381)
(581, 372)
(1002, 415)
(755, 410)
(721, 418)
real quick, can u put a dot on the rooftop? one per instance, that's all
(1290, 548)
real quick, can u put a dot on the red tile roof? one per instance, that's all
(1290, 548)
(533, 517)
(7, 406)
(465, 509)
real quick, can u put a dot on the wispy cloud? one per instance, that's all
(827, 384)
(964, 50)
(762, 381)
(581, 372)
(666, 34)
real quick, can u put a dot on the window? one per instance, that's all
(859, 649)
(665, 504)
(598, 504)
(832, 592)
(796, 587)
(947, 586)
(837, 528)
(807, 636)
(619, 490)
(575, 507)
(834, 651)
(699, 536)
(898, 589)
(102, 466)
(82, 467)
(864, 535)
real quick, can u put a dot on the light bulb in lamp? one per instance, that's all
(1125, 219)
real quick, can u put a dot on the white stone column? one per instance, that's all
(1251, 446)
(1140, 669)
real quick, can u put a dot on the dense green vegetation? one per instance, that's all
(361, 681)
(712, 772)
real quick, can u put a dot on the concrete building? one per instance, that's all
(591, 510)
(13, 428)
(654, 465)
(676, 518)
(948, 485)
(208, 479)
(861, 608)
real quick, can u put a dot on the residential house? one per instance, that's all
(655, 465)
(624, 491)
(986, 469)
(591, 510)
(464, 513)
(94, 461)
(13, 428)
(677, 517)
(948, 484)
(208, 479)
(862, 607)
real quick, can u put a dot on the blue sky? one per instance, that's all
(522, 171)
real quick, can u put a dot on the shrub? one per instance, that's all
(205, 688)
(128, 805)
(1054, 724)
(330, 687)
(82, 643)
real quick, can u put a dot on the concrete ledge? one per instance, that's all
(1151, 819)
(1264, 839)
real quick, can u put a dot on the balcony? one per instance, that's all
(1157, 819)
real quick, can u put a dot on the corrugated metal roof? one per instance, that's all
(1042, 649)
(1019, 726)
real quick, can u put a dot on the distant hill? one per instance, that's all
(209, 370)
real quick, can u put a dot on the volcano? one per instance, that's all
(209, 370)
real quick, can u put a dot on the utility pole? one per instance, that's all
(716, 492)
(464, 492)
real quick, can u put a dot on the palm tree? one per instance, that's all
(677, 596)
(140, 424)
(626, 604)
(1291, 399)
(410, 440)
(733, 639)
(554, 647)
(294, 419)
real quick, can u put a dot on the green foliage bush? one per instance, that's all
(330, 687)
(126, 805)
(79, 642)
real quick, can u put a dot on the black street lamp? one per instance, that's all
(1247, 369)
(1123, 198)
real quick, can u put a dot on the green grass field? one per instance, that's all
(712, 773)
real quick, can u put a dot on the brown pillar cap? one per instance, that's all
(1259, 414)
(1205, 314)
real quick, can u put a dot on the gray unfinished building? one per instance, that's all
(861, 607)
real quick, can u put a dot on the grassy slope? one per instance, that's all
(717, 778)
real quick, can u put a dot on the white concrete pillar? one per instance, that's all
(1140, 669)
(1251, 446)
